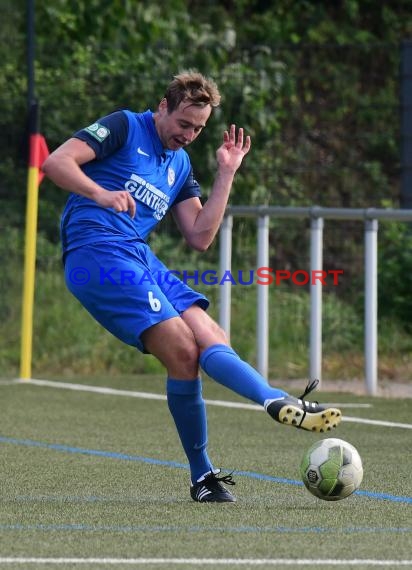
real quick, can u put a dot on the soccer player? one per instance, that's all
(124, 173)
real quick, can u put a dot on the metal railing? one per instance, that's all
(317, 215)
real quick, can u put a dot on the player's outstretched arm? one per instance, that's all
(199, 225)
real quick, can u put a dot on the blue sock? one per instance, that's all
(188, 410)
(222, 364)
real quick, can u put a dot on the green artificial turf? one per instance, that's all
(86, 475)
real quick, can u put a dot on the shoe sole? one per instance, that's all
(232, 500)
(320, 422)
(229, 498)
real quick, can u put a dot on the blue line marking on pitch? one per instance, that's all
(94, 452)
(263, 477)
(152, 461)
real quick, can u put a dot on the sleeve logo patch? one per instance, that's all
(98, 131)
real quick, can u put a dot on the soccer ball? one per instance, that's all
(331, 469)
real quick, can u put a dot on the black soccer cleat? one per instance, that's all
(209, 489)
(299, 413)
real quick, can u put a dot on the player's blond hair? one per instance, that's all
(193, 87)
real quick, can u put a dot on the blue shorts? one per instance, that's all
(126, 288)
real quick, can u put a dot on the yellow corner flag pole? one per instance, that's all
(37, 154)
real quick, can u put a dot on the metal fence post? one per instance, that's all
(262, 322)
(316, 264)
(371, 306)
(225, 264)
(406, 123)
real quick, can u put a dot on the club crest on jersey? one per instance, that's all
(171, 176)
(98, 131)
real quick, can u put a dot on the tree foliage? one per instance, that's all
(316, 84)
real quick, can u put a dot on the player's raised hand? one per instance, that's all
(234, 148)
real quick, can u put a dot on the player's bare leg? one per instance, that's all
(226, 367)
(173, 343)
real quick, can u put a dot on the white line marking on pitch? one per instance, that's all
(151, 396)
(209, 561)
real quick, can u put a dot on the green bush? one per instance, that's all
(395, 273)
(68, 342)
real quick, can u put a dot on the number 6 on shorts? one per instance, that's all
(155, 304)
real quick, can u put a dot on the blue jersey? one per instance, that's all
(129, 156)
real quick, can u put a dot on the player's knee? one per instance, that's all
(213, 334)
(221, 336)
(185, 358)
(186, 349)
(174, 344)
(205, 330)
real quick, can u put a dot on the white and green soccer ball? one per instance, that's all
(331, 469)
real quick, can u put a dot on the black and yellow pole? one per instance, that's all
(37, 153)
